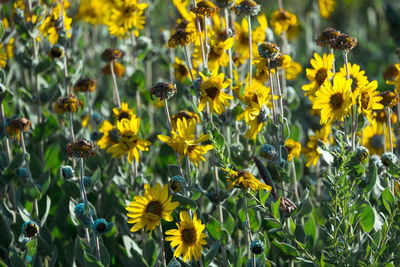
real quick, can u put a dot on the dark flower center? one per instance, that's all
(321, 75)
(189, 235)
(182, 70)
(154, 207)
(212, 92)
(244, 39)
(353, 83)
(101, 227)
(124, 115)
(31, 230)
(377, 142)
(336, 101)
(364, 100)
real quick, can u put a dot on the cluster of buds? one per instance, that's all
(247, 8)
(67, 104)
(80, 149)
(85, 85)
(163, 90)
(268, 50)
(15, 127)
(204, 8)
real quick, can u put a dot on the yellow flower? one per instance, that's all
(293, 71)
(146, 211)
(311, 150)
(358, 77)
(119, 69)
(110, 135)
(3, 57)
(129, 141)
(182, 114)
(320, 74)
(293, 148)
(124, 112)
(183, 141)
(245, 180)
(189, 237)
(92, 11)
(334, 101)
(326, 7)
(182, 37)
(254, 97)
(126, 16)
(217, 55)
(211, 92)
(181, 71)
(391, 73)
(373, 139)
(281, 20)
(369, 100)
(49, 27)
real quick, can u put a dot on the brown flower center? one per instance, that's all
(244, 39)
(189, 235)
(212, 92)
(124, 115)
(364, 100)
(353, 83)
(336, 100)
(321, 75)
(154, 207)
(182, 70)
(101, 227)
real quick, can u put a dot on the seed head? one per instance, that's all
(80, 149)
(56, 51)
(163, 90)
(204, 8)
(85, 85)
(247, 8)
(111, 54)
(343, 42)
(326, 36)
(268, 50)
(30, 229)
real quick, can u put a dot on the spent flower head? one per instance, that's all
(204, 8)
(326, 36)
(247, 8)
(163, 90)
(30, 229)
(80, 149)
(85, 85)
(18, 125)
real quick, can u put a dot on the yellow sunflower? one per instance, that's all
(183, 141)
(281, 20)
(245, 180)
(189, 237)
(334, 101)
(358, 77)
(146, 211)
(129, 141)
(255, 96)
(369, 100)
(110, 135)
(311, 150)
(126, 16)
(326, 7)
(293, 71)
(320, 73)
(92, 11)
(181, 71)
(211, 92)
(373, 139)
(293, 148)
(183, 114)
(50, 28)
(124, 112)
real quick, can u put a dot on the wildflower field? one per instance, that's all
(199, 133)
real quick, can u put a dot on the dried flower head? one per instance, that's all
(80, 149)
(15, 127)
(56, 51)
(85, 85)
(30, 229)
(389, 98)
(204, 8)
(280, 61)
(247, 8)
(391, 72)
(224, 3)
(111, 54)
(343, 42)
(67, 104)
(163, 90)
(326, 36)
(182, 37)
(268, 50)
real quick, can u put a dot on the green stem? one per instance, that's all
(162, 244)
(248, 230)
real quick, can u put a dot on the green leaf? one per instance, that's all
(91, 260)
(2, 30)
(373, 174)
(187, 202)
(286, 249)
(31, 192)
(46, 213)
(93, 180)
(275, 209)
(212, 252)
(44, 183)
(104, 255)
(310, 230)
(6, 235)
(367, 218)
(173, 263)
(388, 200)
(15, 260)
(214, 228)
